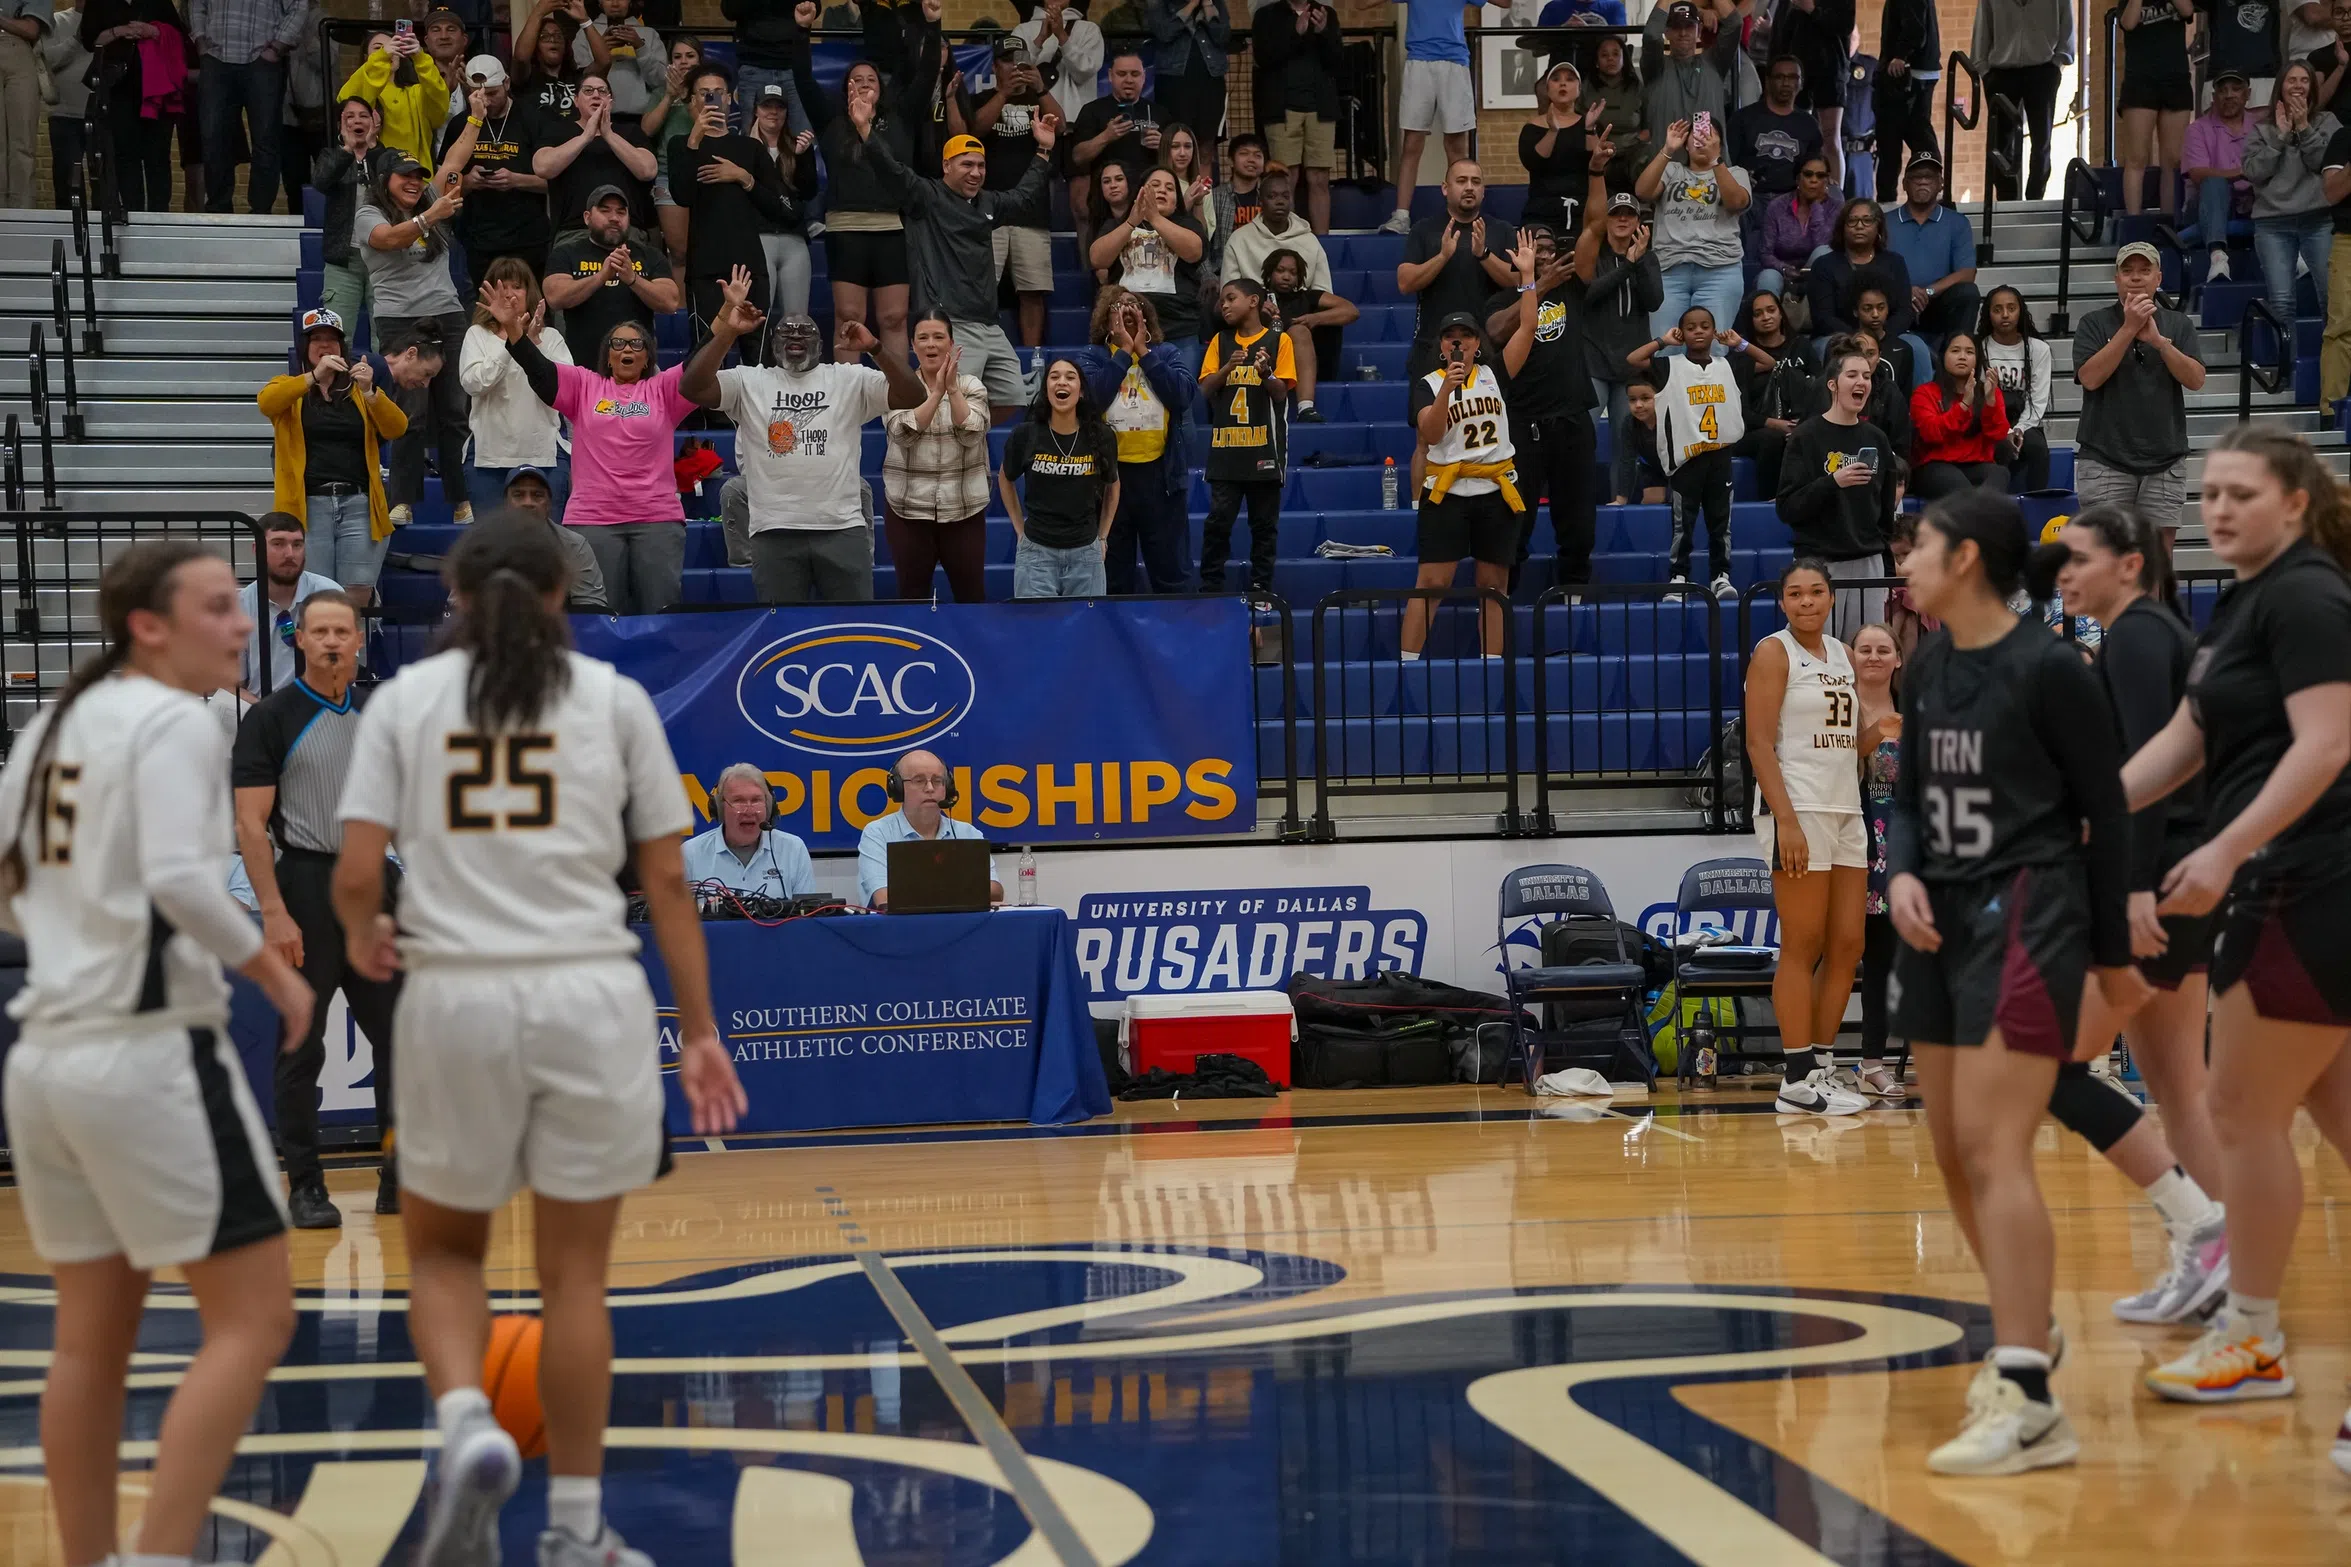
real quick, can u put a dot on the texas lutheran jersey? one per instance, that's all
(510, 842)
(1699, 409)
(1477, 432)
(132, 801)
(1247, 417)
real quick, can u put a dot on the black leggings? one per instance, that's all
(2028, 470)
(1557, 454)
(1934, 480)
(1878, 943)
(306, 881)
(2034, 89)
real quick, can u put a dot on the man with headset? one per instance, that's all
(745, 851)
(925, 792)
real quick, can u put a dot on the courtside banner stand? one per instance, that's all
(1085, 720)
(1183, 920)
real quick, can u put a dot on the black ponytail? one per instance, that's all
(142, 577)
(2125, 530)
(502, 571)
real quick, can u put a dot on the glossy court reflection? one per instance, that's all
(1435, 1328)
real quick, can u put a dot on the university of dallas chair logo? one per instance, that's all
(1180, 1405)
(853, 689)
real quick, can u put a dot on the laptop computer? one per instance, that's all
(939, 876)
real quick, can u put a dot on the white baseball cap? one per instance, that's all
(485, 70)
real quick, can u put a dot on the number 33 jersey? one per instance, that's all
(2006, 751)
(510, 842)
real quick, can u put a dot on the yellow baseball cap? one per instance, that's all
(957, 146)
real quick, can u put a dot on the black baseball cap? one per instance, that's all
(1624, 201)
(1681, 14)
(1462, 319)
(2229, 73)
(603, 193)
(1923, 160)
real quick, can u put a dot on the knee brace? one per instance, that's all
(2092, 1108)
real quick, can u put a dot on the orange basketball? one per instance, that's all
(510, 1376)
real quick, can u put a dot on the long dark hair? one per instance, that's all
(1091, 424)
(142, 577)
(437, 238)
(2123, 529)
(1952, 388)
(1997, 527)
(502, 571)
(2025, 324)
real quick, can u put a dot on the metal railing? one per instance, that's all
(93, 339)
(37, 361)
(1273, 608)
(2079, 178)
(1375, 711)
(1997, 159)
(12, 464)
(2113, 78)
(99, 157)
(2272, 378)
(1627, 693)
(61, 309)
(61, 555)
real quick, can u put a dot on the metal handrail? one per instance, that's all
(2271, 379)
(61, 308)
(100, 156)
(93, 340)
(12, 464)
(38, 355)
(2079, 176)
(1512, 822)
(2113, 77)
(1291, 828)
(1996, 159)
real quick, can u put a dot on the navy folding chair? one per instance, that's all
(1598, 996)
(1728, 888)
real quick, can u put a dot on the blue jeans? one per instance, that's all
(1042, 572)
(339, 545)
(1611, 399)
(1719, 289)
(2215, 199)
(257, 91)
(2277, 241)
(749, 79)
(486, 487)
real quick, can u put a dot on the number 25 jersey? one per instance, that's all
(2006, 751)
(510, 842)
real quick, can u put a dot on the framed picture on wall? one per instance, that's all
(1508, 76)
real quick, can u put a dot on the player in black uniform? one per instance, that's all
(2268, 721)
(2112, 566)
(2004, 906)
(1246, 376)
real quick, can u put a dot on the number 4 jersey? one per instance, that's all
(1699, 409)
(510, 842)
(2007, 751)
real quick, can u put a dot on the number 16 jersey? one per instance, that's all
(510, 842)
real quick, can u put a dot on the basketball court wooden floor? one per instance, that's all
(1419, 1326)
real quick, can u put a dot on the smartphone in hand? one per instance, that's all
(1867, 457)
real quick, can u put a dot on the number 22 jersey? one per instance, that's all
(1477, 427)
(2006, 751)
(510, 842)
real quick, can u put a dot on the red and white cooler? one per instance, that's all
(1170, 1031)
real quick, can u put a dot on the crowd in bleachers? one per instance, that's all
(610, 175)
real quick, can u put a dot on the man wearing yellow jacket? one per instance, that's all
(400, 79)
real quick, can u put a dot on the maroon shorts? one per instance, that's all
(2282, 935)
(2015, 955)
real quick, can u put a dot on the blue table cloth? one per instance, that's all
(897, 1020)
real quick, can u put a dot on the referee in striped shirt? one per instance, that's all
(292, 755)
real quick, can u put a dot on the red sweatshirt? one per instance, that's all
(1955, 434)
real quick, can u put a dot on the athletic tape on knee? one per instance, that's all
(2092, 1108)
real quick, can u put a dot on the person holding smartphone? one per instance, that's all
(1836, 488)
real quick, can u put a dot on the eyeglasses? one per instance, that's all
(1812, 174)
(628, 345)
(924, 781)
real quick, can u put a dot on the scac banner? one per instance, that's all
(1068, 721)
(1243, 938)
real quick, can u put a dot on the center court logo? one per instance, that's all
(856, 689)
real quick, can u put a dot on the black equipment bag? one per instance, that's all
(1570, 942)
(1390, 1030)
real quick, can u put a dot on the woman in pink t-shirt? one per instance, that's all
(624, 491)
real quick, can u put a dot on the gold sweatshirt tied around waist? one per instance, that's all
(1441, 477)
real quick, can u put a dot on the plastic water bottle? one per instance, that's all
(1028, 878)
(1388, 492)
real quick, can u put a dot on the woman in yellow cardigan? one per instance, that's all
(330, 424)
(413, 102)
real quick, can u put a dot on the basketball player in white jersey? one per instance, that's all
(516, 777)
(1802, 722)
(136, 1141)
